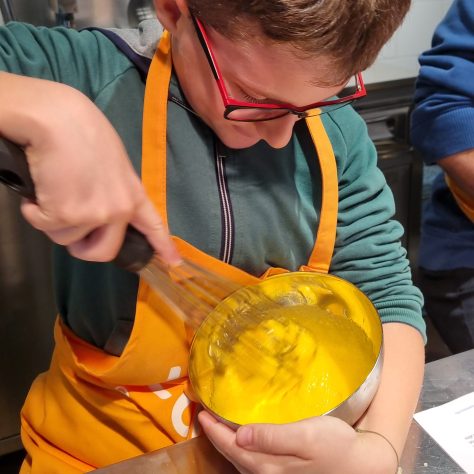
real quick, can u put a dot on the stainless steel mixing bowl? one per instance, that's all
(299, 290)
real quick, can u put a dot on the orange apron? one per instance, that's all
(92, 409)
(465, 202)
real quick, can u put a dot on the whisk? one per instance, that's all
(191, 291)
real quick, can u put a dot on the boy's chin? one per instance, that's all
(237, 140)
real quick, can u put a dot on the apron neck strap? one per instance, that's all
(154, 126)
(321, 255)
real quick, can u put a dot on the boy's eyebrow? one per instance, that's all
(316, 82)
(248, 89)
(255, 93)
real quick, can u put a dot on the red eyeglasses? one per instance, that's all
(255, 112)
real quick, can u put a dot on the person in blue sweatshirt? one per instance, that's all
(443, 130)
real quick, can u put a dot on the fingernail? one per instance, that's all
(244, 436)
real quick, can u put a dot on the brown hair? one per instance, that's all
(348, 32)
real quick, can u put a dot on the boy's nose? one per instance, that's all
(277, 133)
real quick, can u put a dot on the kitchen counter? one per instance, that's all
(445, 380)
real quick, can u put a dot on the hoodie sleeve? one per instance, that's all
(85, 60)
(443, 119)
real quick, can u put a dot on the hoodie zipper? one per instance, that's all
(227, 216)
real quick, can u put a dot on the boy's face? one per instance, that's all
(258, 71)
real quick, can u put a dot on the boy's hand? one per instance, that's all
(323, 445)
(86, 189)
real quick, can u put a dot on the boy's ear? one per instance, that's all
(170, 11)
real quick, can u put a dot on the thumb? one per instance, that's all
(290, 439)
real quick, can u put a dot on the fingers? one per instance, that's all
(38, 218)
(69, 235)
(101, 245)
(291, 439)
(246, 461)
(86, 242)
(223, 439)
(217, 431)
(58, 232)
(305, 439)
(99, 237)
(221, 436)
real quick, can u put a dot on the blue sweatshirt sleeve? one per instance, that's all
(443, 118)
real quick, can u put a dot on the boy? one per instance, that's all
(237, 177)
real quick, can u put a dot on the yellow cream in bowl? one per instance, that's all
(286, 361)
